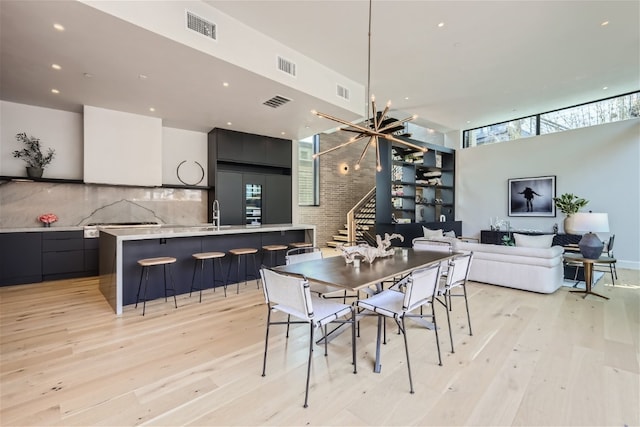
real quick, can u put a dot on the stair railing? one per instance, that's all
(352, 226)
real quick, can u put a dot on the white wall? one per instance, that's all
(599, 163)
(57, 129)
(181, 149)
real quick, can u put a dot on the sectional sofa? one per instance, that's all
(527, 268)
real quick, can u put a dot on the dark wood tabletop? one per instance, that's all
(334, 270)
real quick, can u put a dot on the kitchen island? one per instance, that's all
(121, 248)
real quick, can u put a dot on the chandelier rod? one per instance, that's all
(366, 101)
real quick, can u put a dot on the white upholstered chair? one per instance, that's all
(291, 295)
(420, 288)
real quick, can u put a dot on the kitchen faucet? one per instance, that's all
(216, 214)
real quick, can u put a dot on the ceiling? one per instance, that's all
(490, 61)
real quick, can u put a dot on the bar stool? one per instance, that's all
(146, 264)
(200, 258)
(273, 250)
(240, 253)
(297, 245)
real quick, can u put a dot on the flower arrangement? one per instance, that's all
(47, 219)
(32, 153)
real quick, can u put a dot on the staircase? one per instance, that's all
(361, 223)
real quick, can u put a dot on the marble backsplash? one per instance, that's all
(79, 204)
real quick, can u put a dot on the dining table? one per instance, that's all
(335, 271)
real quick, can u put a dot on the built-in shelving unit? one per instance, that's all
(421, 185)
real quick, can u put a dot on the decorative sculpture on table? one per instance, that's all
(370, 253)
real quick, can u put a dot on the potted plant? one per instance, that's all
(32, 155)
(569, 204)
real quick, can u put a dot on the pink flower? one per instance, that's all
(48, 218)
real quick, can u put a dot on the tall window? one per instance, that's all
(308, 179)
(608, 110)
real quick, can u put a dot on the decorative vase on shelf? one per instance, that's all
(568, 225)
(34, 172)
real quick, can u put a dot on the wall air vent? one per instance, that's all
(342, 92)
(286, 66)
(276, 101)
(200, 25)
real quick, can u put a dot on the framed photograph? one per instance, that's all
(532, 196)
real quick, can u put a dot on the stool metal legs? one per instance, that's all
(246, 272)
(214, 280)
(146, 286)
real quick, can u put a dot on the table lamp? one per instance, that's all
(589, 224)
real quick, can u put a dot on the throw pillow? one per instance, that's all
(450, 233)
(543, 241)
(431, 234)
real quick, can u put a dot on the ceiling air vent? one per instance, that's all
(342, 92)
(200, 25)
(286, 66)
(276, 101)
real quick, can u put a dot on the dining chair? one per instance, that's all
(420, 288)
(291, 295)
(457, 275)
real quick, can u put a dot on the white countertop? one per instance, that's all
(166, 231)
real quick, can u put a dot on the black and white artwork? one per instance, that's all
(532, 196)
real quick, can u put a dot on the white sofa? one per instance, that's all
(531, 269)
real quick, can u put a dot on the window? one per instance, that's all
(608, 110)
(308, 180)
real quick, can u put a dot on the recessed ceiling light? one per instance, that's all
(56, 67)
(229, 123)
(225, 84)
(406, 98)
(142, 76)
(468, 121)
(283, 133)
(58, 27)
(152, 109)
(605, 88)
(441, 24)
(55, 91)
(604, 23)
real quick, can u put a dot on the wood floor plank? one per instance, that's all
(534, 359)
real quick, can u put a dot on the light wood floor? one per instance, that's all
(533, 360)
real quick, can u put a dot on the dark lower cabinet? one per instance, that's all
(62, 254)
(32, 257)
(20, 258)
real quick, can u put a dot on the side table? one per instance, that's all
(588, 270)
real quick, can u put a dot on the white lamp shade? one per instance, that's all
(590, 222)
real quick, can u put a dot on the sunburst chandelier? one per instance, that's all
(376, 126)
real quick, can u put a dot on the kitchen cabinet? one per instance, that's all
(31, 257)
(21, 258)
(277, 199)
(250, 175)
(253, 198)
(62, 254)
(249, 149)
(229, 192)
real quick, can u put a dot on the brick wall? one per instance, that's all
(339, 192)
